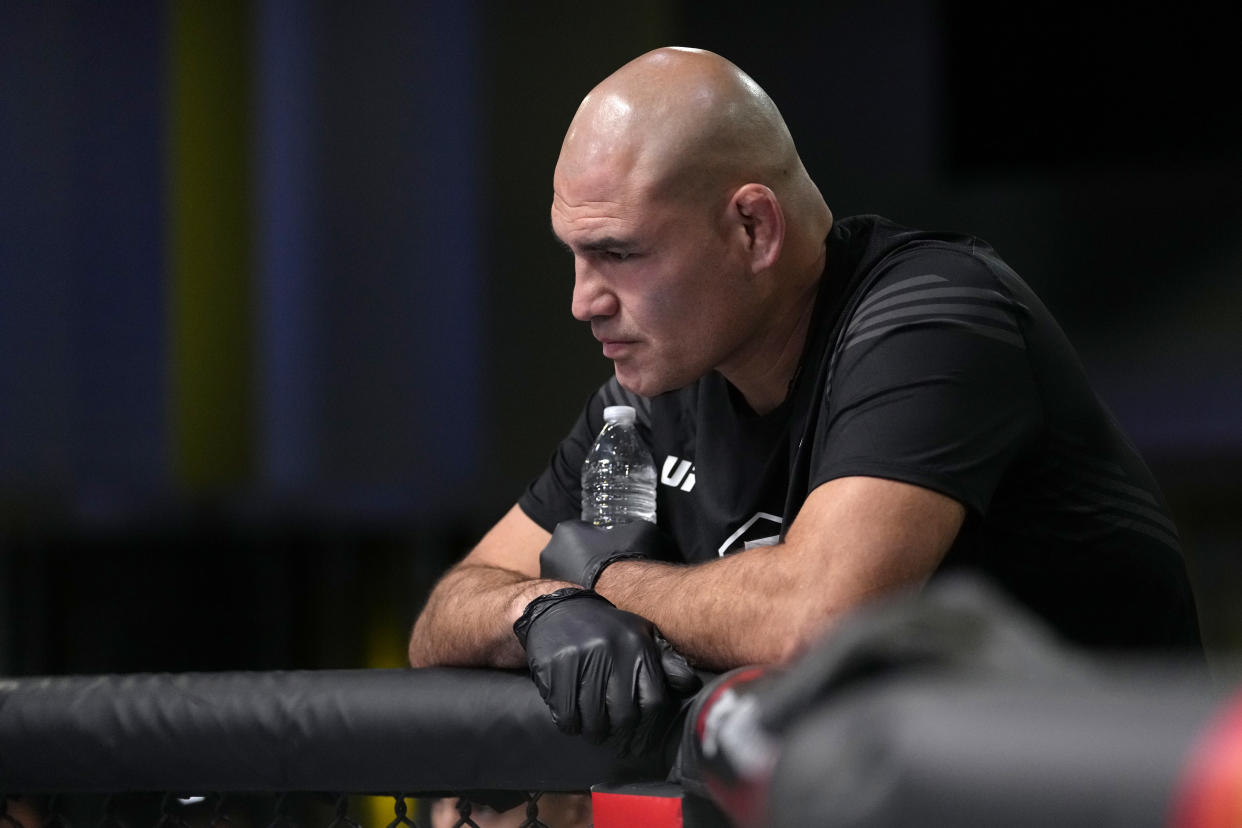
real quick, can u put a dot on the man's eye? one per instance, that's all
(619, 255)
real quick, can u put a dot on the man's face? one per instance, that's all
(661, 280)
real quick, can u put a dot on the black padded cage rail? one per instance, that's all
(419, 732)
(952, 708)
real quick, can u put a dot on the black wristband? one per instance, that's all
(542, 603)
(594, 573)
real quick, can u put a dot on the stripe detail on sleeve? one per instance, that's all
(910, 302)
(1116, 498)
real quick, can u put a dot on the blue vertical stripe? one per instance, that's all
(451, 245)
(118, 248)
(285, 195)
(82, 371)
(368, 231)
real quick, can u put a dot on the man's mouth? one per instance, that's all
(617, 348)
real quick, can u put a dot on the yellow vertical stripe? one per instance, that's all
(209, 245)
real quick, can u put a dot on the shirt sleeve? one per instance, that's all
(556, 494)
(930, 382)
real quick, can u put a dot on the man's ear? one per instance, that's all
(759, 212)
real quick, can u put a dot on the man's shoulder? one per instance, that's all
(892, 259)
(929, 284)
(887, 249)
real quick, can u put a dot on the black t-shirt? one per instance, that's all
(928, 361)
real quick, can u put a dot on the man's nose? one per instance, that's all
(592, 298)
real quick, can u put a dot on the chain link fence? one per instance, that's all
(283, 810)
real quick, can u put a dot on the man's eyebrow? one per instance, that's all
(606, 243)
(597, 245)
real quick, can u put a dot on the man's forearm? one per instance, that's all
(725, 613)
(853, 539)
(468, 620)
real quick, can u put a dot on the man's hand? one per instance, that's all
(578, 552)
(603, 672)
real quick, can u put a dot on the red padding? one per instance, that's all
(659, 807)
(1210, 793)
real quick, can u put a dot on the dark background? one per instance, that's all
(283, 328)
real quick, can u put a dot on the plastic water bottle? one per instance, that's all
(618, 477)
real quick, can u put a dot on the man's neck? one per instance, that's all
(765, 378)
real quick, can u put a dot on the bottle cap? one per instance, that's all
(622, 414)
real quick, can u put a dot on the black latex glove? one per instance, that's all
(578, 552)
(603, 672)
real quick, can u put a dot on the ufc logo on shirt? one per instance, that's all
(678, 473)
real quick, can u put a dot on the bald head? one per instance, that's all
(686, 123)
(698, 238)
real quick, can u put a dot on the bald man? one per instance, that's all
(837, 410)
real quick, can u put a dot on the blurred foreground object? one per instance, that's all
(956, 708)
